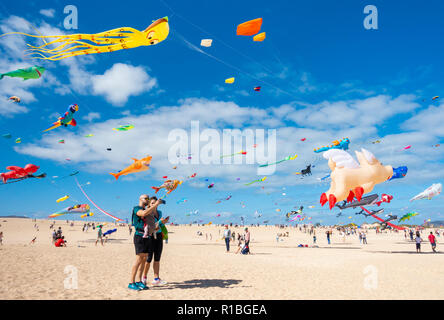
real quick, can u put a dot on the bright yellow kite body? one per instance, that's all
(112, 40)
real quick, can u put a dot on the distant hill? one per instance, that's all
(437, 223)
(20, 217)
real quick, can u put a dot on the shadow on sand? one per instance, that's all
(201, 283)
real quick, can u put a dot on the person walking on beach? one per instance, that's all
(418, 241)
(140, 243)
(227, 236)
(1, 238)
(411, 234)
(155, 245)
(364, 238)
(432, 240)
(99, 235)
(328, 236)
(247, 239)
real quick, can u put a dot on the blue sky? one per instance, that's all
(323, 77)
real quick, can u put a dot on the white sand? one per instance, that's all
(196, 268)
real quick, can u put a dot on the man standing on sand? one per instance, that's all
(140, 243)
(99, 235)
(432, 240)
(227, 237)
(247, 239)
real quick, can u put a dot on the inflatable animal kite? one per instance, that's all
(350, 179)
(399, 172)
(21, 173)
(249, 28)
(124, 128)
(169, 185)
(67, 119)
(137, 166)
(71, 45)
(341, 144)
(407, 216)
(34, 72)
(429, 193)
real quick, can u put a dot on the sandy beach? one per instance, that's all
(196, 268)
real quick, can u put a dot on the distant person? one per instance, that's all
(33, 240)
(328, 236)
(432, 240)
(99, 234)
(227, 237)
(247, 239)
(1, 238)
(314, 238)
(418, 241)
(411, 234)
(364, 238)
(130, 229)
(60, 242)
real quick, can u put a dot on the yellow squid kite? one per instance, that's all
(112, 40)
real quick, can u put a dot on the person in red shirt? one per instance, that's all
(60, 242)
(432, 240)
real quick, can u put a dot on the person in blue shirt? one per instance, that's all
(139, 213)
(155, 246)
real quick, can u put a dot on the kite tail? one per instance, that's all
(156, 189)
(116, 175)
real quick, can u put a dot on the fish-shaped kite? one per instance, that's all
(434, 190)
(124, 128)
(341, 144)
(137, 166)
(34, 72)
(78, 208)
(15, 99)
(70, 45)
(249, 28)
(169, 185)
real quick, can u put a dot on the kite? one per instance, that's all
(408, 147)
(365, 201)
(78, 208)
(34, 72)
(61, 141)
(62, 199)
(193, 175)
(407, 216)
(384, 222)
(206, 42)
(231, 155)
(210, 186)
(285, 159)
(108, 149)
(89, 135)
(341, 144)
(90, 214)
(303, 139)
(350, 179)
(259, 180)
(377, 141)
(306, 171)
(124, 128)
(259, 37)
(169, 185)
(436, 145)
(229, 80)
(435, 97)
(7, 136)
(299, 211)
(249, 28)
(429, 193)
(384, 198)
(257, 88)
(325, 177)
(183, 200)
(399, 172)
(15, 99)
(18, 140)
(67, 119)
(95, 205)
(71, 45)
(137, 166)
(109, 232)
(21, 173)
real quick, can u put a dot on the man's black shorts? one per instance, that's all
(140, 244)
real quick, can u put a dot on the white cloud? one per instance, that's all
(122, 81)
(48, 12)
(91, 116)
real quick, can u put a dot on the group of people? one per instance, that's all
(148, 241)
(243, 240)
(57, 238)
(419, 240)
